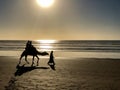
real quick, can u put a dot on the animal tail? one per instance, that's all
(43, 53)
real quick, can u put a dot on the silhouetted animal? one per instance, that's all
(33, 52)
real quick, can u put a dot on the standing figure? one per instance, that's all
(51, 62)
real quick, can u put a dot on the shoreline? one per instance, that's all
(69, 54)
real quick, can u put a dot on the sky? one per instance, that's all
(64, 20)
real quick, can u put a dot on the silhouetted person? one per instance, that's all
(51, 60)
(30, 47)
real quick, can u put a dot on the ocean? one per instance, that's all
(65, 48)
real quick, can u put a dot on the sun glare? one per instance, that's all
(45, 3)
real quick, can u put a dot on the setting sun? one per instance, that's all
(45, 3)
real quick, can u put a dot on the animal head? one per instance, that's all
(44, 53)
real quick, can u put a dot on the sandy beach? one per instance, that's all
(70, 74)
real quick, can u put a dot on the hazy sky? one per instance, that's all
(66, 19)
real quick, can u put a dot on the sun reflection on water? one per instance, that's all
(46, 45)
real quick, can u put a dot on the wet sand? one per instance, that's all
(70, 74)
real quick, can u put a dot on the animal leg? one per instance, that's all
(22, 55)
(20, 60)
(37, 60)
(26, 59)
(32, 61)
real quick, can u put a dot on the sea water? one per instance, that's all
(65, 48)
